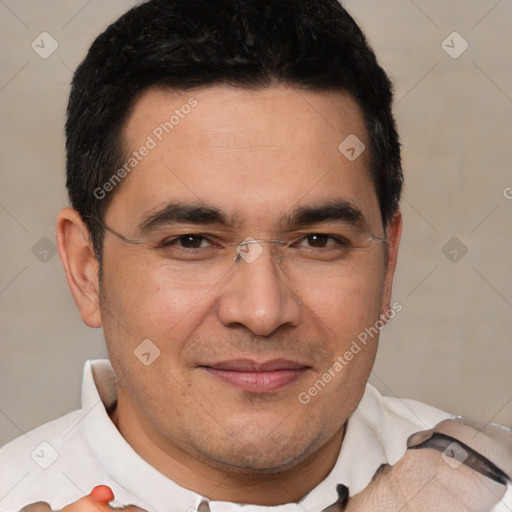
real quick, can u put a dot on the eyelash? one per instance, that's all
(170, 241)
(340, 241)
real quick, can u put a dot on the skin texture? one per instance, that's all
(256, 155)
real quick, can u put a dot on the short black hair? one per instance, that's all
(312, 45)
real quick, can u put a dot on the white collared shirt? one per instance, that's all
(62, 461)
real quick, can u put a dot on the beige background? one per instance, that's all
(451, 344)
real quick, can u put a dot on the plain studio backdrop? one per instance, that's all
(450, 346)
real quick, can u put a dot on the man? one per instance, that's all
(234, 172)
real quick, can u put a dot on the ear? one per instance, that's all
(76, 252)
(394, 234)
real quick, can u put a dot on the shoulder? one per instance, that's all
(398, 412)
(36, 463)
(51, 434)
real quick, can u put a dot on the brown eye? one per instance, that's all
(191, 241)
(322, 241)
(318, 240)
(188, 241)
(322, 247)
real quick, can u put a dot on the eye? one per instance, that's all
(187, 241)
(321, 241)
(189, 247)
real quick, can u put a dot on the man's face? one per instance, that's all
(257, 158)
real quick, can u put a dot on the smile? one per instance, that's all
(255, 377)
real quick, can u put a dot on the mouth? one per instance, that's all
(257, 377)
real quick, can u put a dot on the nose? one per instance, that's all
(256, 295)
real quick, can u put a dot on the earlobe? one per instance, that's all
(394, 234)
(77, 255)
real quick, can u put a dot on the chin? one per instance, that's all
(256, 464)
(261, 457)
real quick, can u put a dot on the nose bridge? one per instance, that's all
(256, 294)
(251, 249)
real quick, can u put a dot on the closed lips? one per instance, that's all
(247, 365)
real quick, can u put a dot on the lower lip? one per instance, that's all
(259, 382)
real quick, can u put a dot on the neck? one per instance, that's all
(224, 484)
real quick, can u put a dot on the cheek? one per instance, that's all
(347, 316)
(138, 305)
(346, 313)
(348, 303)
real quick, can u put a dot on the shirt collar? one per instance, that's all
(376, 434)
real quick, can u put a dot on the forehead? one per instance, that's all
(255, 152)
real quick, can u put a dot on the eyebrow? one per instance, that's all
(341, 211)
(332, 211)
(180, 213)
